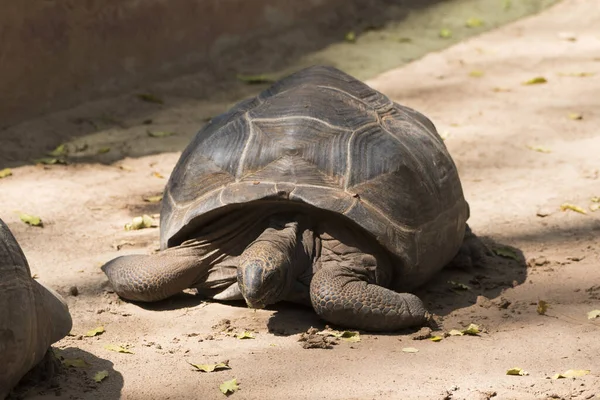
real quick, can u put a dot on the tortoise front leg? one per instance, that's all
(342, 295)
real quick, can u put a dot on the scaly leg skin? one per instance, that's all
(149, 278)
(343, 296)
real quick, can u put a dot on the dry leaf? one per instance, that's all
(572, 207)
(153, 199)
(229, 387)
(160, 134)
(143, 222)
(350, 37)
(593, 314)
(476, 74)
(100, 376)
(118, 349)
(506, 252)
(245, 335)
(542, 307)
(5, 172)
(540, 149)
(60, 150)
(158, 175)
(94, 332)
(459, 286)
(594, 207)
(536, 81)
(575, 116)
(517, 372)
(577, 74)
(436, 338)
(572, 373)
(473, 23)
(103, 150)
(32, 220)
(445, 33)
(410, 350)
(472, 330)
(50, 161)
(211, 367)
(455, 332)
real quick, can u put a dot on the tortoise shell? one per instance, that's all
(324, 139)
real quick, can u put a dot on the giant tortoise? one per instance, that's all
(32, 316)
(320, 191)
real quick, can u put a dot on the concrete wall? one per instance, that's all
(55, 53)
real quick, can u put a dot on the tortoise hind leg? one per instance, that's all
(342, 295)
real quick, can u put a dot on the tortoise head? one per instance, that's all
(265, 269)
(261, 280)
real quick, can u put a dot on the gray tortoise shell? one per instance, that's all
(323, 138)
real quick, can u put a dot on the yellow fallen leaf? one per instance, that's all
(540, 149)
(349, 336)
(150, 98)
(245, 335)
(118, 349)
(410, 350)
(506, 252)
(153, 199)
(572, 373)
(476, 74)
(455, 332)
(593, 314)
(472, 330)
(575, 116)
(229, 387)
(572, 207)
(94, 332)
(436, 338)
(50, 161)
(32, 220)
(103, 150)
(473, 23)
(100, 376)
(350, 37)
(594, 207)
(577, 74)
(536, 81)
(445, 33)
(517, 372)
(158, 175)
(60, 150)
(143, 222)
(74, 362)
(211, 367)
(459, 286)
(5, 172)
(160, 134)
(542, 307)
(595, 199)
(125, 167)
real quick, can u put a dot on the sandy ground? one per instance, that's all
(493, 124)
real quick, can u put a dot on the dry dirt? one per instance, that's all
(490, 119)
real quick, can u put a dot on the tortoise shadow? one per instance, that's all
(73, 382)
(453, 288)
